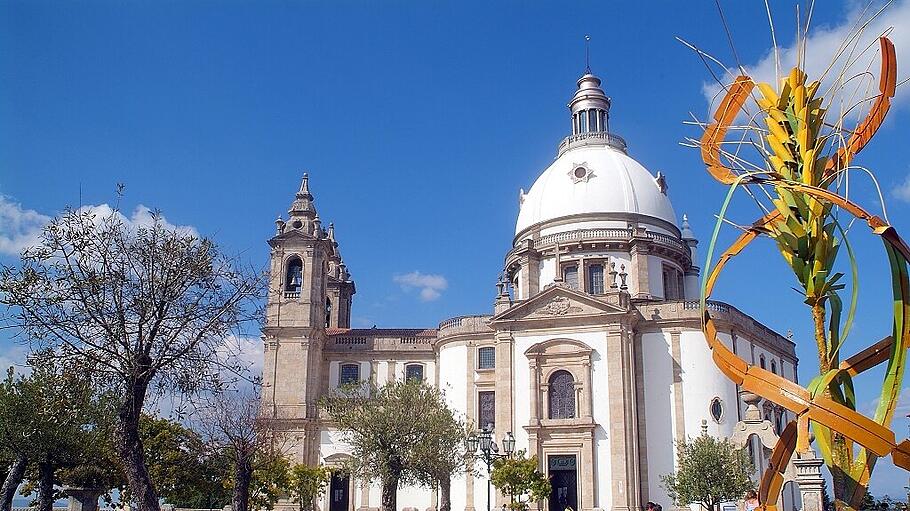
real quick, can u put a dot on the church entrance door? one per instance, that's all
(564, 481)
(338, 492)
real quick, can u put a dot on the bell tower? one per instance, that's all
(309, 291)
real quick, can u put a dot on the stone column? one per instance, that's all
(535, 393)
(639, 271)
(471, 418)
(503, 383)
(587, 401)
(618, 428)
(809, 479)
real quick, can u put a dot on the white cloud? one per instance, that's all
(12, 355)
(19, 227)
(902, 191)
(142, 217)
(430, 285)
(243, 353)
(822, 46)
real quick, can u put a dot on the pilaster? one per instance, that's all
(620, 425)
(639, 252)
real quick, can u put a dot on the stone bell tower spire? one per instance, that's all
(303, 212)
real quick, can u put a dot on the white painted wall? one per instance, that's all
(600, 411)
(657, 367)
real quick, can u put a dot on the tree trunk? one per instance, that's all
(45, 487)
(12, 482)
(390, 493)
(130, 449)
(445, 494)
(243, 474)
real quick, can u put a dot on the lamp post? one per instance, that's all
(481, 445)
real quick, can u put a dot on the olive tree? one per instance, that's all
(231, 425)
(709, 471)
(143, 308)
(399, 433)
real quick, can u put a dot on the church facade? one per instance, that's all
(592, 356)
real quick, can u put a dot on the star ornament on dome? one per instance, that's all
(580, 172)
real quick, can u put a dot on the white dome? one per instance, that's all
(594, 179)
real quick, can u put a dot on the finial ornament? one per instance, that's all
(587, 54)
(304, 185)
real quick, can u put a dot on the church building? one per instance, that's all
(592, 355)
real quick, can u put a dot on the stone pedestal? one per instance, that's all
(83, 499)
(809, 478)
(804, 468)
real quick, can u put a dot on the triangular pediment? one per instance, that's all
(291, 235)
(561, 302)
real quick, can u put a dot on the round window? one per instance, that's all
(297, 224)
(717, 409)
(580, 172)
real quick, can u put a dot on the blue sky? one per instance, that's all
(418, 123)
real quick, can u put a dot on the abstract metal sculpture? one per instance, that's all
(805, 158)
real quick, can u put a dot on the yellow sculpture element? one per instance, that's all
(806, 231)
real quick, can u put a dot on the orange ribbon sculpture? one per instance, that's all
(805, 230)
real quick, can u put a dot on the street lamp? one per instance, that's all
(489, 451)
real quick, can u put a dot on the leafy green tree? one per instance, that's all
(142, 308)
(442, 453)
(53, 419)
(270, 480)
(185, 471)
(519, 478)
(387, 442)
(307, 484)
(709, 471)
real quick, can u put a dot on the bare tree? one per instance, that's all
(142, 308)
(232, 426)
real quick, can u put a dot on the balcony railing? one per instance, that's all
(292, 294)
(593, 138)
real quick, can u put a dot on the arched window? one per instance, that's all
(413, 372)
(596, 279)
(293, 277)
(761, 361)
(562, 395)
(328, 312)
(349, 373)
(774, 367)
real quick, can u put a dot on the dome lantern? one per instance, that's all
(590, 107)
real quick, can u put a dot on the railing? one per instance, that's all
(606, 234)
(350, 340)
(464, 324)
(292, 294)
(593, 138)
(665, 239)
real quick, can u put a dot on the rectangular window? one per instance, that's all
(413, 372)
(671, 284)
(350, 373)
(570, 276)
(596, 279)
(486, 409)
(486, 357)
